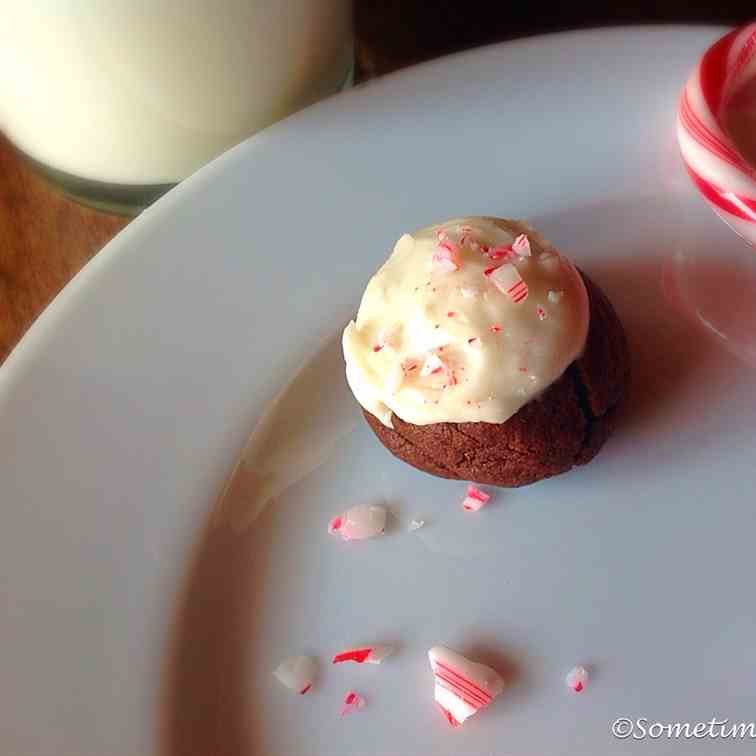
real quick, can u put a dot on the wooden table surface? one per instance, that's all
(46, 238)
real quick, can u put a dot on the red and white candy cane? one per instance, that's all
(463, 687)
(713, 161)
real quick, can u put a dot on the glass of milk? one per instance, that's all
(117, 101)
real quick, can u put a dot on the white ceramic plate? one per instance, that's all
(128, 626)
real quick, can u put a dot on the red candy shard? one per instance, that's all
(409, 365)
(475, 499)
(352, 702)
(358, 655)
(369, 654)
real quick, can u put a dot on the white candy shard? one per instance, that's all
(415, 525)
(555, 296)
(369, 654)
(521, 245)
(352, 702)
(360, 522)
(463, 687)
(469, 292)
(508, 280)
(577, 679)
(297, 673)
(433, 364)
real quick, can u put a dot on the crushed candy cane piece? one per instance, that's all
(369, 654)
(410, 365)
(296, 673)
(466, 233)
(446, 257)
(415, 525)
(352, 702)
(433, 364)
(555, 296)
(385, 338)
(521, 246)
(509, 281)
(475, 342)
(360, 522)
(577, 678)
(501, 253)
(495, 328)
(463, 687)
(541, 313)
(475, 499)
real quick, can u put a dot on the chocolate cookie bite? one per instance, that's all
(480, 353)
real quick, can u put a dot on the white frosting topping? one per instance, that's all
(467, 321)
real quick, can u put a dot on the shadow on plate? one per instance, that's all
(685, 292)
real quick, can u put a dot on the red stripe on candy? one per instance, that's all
(714, 72)
(461, 693)
(480, 699)
(454, 673)
(356, 655)
(449, 716)
(706, 138)
(741, 207)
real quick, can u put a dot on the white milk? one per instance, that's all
(135, 92)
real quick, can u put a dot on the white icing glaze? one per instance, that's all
(439, 337)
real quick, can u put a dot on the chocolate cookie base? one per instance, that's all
(564, 427)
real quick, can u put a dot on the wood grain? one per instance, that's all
(45, 239)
